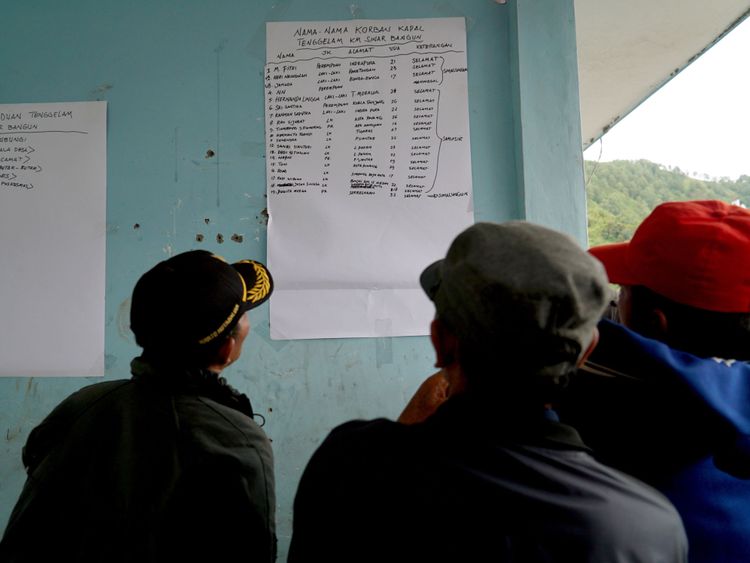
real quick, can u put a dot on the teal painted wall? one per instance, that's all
(544, 79)
(185, 77)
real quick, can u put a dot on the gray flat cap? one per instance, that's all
(525, 289)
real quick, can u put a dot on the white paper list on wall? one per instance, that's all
(368, 170)
(53, 162)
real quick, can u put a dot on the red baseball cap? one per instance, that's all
(693, 252)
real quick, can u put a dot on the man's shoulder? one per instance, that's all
(78, 402)
(73, 412)
(371, 431)
(373, 426)
(212, 426)
(98, 390)
(365, 442)
(635, 513)
(473, 490)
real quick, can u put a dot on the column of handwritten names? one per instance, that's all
(363, 122)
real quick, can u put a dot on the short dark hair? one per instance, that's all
(185, 356)
(697, 331)
(508, 371)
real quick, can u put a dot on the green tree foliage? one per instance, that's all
(621, 193)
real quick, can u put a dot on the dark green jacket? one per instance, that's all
(162, 467)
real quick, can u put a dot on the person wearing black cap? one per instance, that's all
(491, 474)
(168, 465)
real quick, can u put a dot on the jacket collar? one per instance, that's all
(196, 381)
(471, 416)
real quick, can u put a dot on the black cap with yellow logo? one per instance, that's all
(194, 298)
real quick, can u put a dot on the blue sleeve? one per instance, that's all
(722, 385)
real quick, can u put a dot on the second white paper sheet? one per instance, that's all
(53, 216)
(368, 171)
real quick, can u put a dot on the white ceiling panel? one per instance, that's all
(628, 50)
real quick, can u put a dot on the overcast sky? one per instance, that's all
(699, 121)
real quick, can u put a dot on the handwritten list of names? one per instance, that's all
(368, 170)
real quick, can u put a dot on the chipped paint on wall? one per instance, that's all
(123, 321)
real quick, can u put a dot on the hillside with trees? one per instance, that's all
(621, 193)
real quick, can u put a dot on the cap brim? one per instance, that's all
(616, 262)
(431, 278)
(258, 283)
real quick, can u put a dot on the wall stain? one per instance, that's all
(110, 360)
(263, 216)
(173, 212)
(610, 125)
(99, 91)
(12, 433)
(256, 47)
(30, 387)
(251, 148)
(123, 321)
(336, 353)
(218, 51)
(176, 154)
(383, 351)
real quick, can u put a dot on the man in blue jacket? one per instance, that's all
(666, 397)
(491, 475)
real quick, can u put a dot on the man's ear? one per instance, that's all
(592, 345)
(652, 323)
(444, 343)
(224, 355)
(659, 324)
